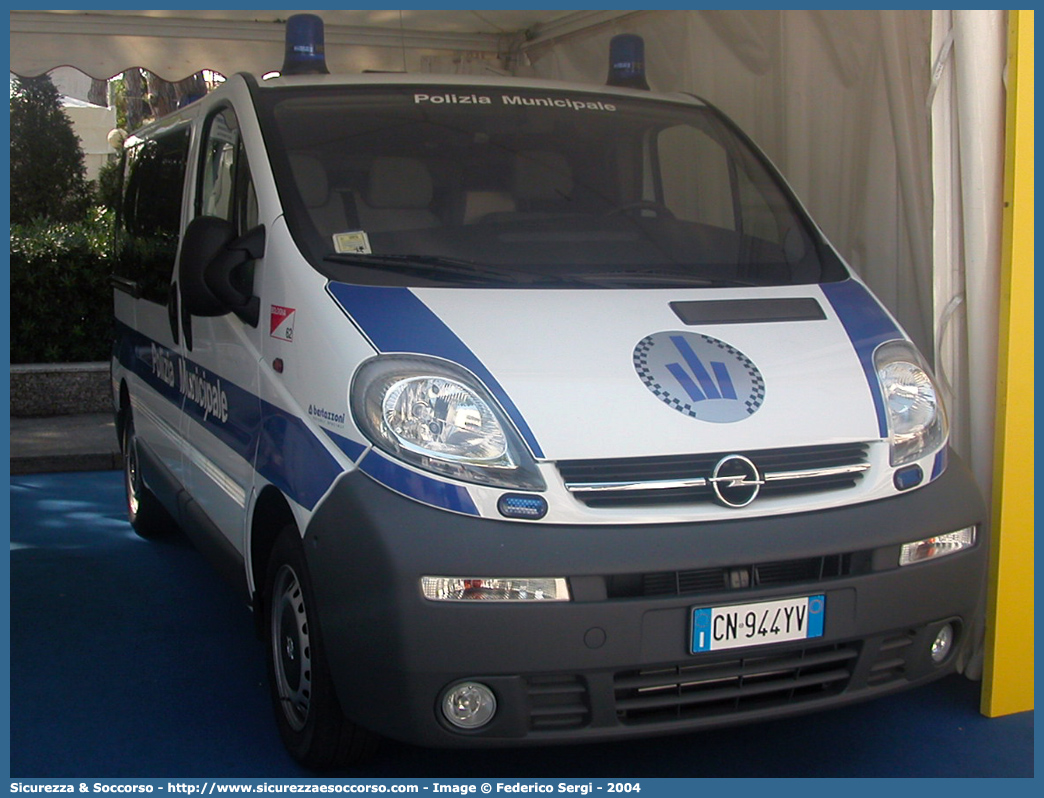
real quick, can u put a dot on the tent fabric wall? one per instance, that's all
(968, 144)
(176, 43)
(103, 45)
(92, 124)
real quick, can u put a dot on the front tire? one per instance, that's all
(308, 714)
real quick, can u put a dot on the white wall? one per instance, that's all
(92, 124)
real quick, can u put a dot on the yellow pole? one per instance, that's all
(1008, 675)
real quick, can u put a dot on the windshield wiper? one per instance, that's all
(431, 266)
(436, 267)
(635, 277)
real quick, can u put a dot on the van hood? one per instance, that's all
(587, 374)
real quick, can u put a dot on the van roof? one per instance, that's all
(408, 79)
(492, 81)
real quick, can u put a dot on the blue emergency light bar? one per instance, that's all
(627, 62)
(305, 47)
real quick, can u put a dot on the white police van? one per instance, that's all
(528, 412)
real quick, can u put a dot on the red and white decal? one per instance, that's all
(282, 323)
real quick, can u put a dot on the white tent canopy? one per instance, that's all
(887, 123)
(175, 44)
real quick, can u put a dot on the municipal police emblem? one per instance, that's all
(700, 376)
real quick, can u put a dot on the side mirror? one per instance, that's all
(212, 282)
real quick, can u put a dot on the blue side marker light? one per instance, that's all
(514, 505)
(909, 477)
(305, 52)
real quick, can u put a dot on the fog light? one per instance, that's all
(469, 705)
(943, 643)
(938, 546)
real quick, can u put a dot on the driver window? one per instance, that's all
(225, 186)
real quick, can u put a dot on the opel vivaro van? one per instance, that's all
(526, 412)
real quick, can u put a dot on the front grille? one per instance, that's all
(644, 481)
(714, 580)
(557, 703)
(723, 687)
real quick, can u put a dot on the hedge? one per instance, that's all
(61, 296)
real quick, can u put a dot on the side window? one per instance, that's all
(703, 184)
(695, 175)
(150, 214)
(758, 217)
(226, 189)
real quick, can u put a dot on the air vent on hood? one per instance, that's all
(748, 311)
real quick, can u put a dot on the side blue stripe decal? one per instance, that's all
(287, 453)
(868, 326)
(396, 320)
(411, 483)
(353, 449)
(156, 365)
(417, 486)
(292, 458)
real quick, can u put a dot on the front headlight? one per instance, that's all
(916, 418)
(437, 416)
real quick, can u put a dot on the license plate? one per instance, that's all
(757, 624)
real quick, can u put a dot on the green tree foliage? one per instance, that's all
(61, 296)
(110, 185)
(48, 176)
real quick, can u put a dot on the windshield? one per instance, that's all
(423, 185)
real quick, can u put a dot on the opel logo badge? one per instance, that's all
(736, 481)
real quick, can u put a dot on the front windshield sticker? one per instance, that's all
(700, 376)
(355, 242)
(513, 99)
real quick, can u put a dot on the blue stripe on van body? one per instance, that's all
(138, 354)
(409, 483)
(281, 446)
(868, 326)
(940, 463)
(292, 458)
(284, 450)
(417, 485)
(396, 320)
(353, 449)
(170, 375)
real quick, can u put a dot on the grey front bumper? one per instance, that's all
(609, 664)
